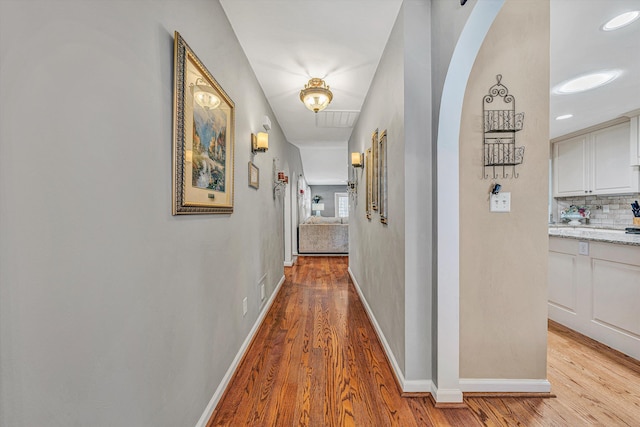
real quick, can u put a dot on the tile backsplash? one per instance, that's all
(619, 215)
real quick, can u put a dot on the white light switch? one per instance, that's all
(501, 202)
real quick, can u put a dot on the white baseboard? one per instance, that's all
(385, 345)
(453, 395)
(292, 262)
(206, 415)
(418, 386)
(489, 385)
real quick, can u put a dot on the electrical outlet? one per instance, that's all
(583, 248)
(501, 202)
(262, 293)
(244, 307)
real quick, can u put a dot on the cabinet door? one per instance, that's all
(570, 162)
(611, 171)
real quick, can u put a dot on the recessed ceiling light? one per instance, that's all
(587, 82)
(564, 117)
(621, 20)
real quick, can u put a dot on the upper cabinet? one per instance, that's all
(593, 163)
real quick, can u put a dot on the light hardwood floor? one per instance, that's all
(316, 361)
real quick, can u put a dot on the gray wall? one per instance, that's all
(376, 251)
(113, 312)
(327, 192)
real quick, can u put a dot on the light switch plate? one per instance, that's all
(501, 202)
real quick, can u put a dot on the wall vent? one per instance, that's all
(336, 119)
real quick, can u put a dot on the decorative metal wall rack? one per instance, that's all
(501, 123)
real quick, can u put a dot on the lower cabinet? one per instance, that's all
(594, 288)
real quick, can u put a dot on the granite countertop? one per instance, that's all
(605, 235)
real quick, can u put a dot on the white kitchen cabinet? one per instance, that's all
(570, 166)
(597, 162)
(635, 140)
(596, 292)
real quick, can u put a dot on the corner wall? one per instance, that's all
(376, 250)
(112, 311)
(391, 263)
(503, 256)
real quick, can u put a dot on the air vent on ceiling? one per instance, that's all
(336, 119)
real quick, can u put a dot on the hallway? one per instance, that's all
(316, 361)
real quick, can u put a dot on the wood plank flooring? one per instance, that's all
(316, 361)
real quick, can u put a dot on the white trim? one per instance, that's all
(407, 386)
(206, 415)
(418, 386)
(292, 262)
(442, 395)
(489, 385)
(447, 305)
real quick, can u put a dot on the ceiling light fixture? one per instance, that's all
(587, 82)
(316, 95)
(621, 20)
(564, 117)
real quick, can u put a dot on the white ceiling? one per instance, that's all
(579, 46)
(290, 41)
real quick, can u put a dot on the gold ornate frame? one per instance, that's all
(375, 190)
(382, 166)
(208, 163)
(369, 171)
(254, 176)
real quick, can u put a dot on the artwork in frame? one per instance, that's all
(203, 140)
(254, 176)
(375, 178)
(382, 168)
(368, 164)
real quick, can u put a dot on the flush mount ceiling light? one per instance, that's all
(564, 117)
(587, 82)
(204, 95)
(316, 95)
(621, 20)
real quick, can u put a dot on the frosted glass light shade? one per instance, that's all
(263, 141)
(316, 95)
(356, 160)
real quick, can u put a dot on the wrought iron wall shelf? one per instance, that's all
(501, 123)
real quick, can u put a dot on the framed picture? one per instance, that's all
(382, 167)
(203, 138)
(369, 171)
(254, 176)
(376, 173)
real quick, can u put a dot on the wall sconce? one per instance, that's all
(352, 187)
(259, 142)
(281, 179)
(356, 160)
